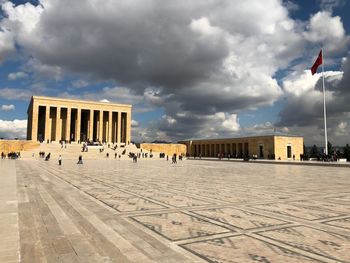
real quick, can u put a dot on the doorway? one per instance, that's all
(289, 151)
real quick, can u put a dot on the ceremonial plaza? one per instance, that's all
(273, 208)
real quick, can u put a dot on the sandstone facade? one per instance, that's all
(263, 147)
(56, 119)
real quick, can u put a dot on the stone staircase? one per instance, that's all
(73, 150)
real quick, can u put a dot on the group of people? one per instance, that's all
(41, 154)
(10, 155)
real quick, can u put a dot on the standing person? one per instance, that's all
(80, 159)
(174, 158)
(60, 160)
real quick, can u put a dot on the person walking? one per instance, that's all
(60, 160)
(80, 159)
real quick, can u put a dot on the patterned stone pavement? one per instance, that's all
(194, 211)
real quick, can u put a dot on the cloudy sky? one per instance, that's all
(191, 69)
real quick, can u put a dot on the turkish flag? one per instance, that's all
(317, 63)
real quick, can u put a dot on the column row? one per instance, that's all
(214, 149)
(76, 124)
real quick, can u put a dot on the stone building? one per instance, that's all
(55, 119)
(281, 147)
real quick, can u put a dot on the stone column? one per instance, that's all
(58, 125)
(100, 134)
(68, 124)
(110, 126)
(35, 117)
(91, 125)
(128, 127)
(119, 128)
(47, 124)
(77, 125)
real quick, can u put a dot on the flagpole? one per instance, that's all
(324, 108)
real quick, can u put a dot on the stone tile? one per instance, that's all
(243, 249)
(239, 218)
(315, 241)
(178, 226)
(342, 223)
(298, 210)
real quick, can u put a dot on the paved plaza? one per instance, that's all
(193, 211)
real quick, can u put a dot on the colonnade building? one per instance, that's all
(56, 119)
(281, 147)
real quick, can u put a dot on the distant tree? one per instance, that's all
(347, 152)
(304, 149)
(314, 152)
(330, 148)
(339, 154)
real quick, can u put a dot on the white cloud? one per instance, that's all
(13, 129)
(231, 122)
(7, 45)
(134, 123)
(43, 71)
(16, 94)
(300, 84)
(17, 75)
(327, 30)
(80, 83)
(10, 107)
(329, 5)
(203, 26)
(342, 129)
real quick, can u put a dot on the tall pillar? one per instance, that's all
(58, 125)
(91, 125)
(77, 126)
(35, 117)
(47, 124)
(100, 134)
(119, 128)
(128, 127)
(68, 124)
(110, 126)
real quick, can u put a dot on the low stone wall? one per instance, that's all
(7, 146)
(168, 149)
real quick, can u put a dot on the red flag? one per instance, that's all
(317, 63)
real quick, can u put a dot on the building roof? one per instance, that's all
(80, 101)
(273, 134)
